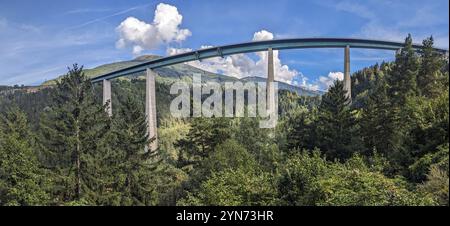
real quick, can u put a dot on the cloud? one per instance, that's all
(386, 20)
(241, 65)
(326, 81)
(175, 51)
(105, 17)
(33, 76)
(355, 8)
(41, 51)
(302, 81)
(424, 16)
(87, 10)
(262, 35)
(374, 30)
(146, 36)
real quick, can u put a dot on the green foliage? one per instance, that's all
(298, 176)
(403, 81)
(335, 128)
(169, 181)
(22, 182)
(356, 185)
(436, 185)
(309, 179)
(430, 78)
(229, 155)
(131, 165)
(72, 137)
(300, 133)
(204, 135)
(169, 132)
(258, 142)
(421, 167)
(377, 124)
(429, 123)
(235, 187)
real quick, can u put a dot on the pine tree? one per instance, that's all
(430, 77)
(72, 133)
(403, 82)
(300, 136)
(136, 166)
(205, 134)
(402, 88)
(378, 124)
(22, 181)
(336, 124)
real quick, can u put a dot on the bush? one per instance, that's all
(235, 188)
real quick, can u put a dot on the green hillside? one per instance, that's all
(179, 72)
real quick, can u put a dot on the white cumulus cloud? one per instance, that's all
(326, 81)
(262, 35)
(241, 65)
(174, 51)
(164, 29)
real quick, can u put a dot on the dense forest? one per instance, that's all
(388, 146)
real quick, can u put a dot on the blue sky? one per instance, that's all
(39, 39)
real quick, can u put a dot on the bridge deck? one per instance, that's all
(279, 44)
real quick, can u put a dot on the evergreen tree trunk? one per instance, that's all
(78, 162)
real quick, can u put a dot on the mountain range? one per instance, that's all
(182, 72)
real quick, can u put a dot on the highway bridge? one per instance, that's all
(220, 51)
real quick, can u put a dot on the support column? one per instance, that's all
(347, 80)
(107, 96)
(150, 107)
(270, 80)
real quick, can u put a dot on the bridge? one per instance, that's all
(221, 51)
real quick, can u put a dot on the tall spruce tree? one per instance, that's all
(72, 136)
(430, 76)
(403, 82)
(336, 124)
(22, 181)
(402, 88)
(378, 129)
(136, 166)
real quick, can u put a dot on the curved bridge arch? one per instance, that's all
(279, 44)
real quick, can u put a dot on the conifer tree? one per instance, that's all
(403, 82)
(72, 135)
(300, 136)
(430, 77)
(336, 124)
(377, 124)
(22, 181)
(205, 134)
(135, 164)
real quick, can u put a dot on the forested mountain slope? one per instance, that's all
(389, 146)
(181, 72)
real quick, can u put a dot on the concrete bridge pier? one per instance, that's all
(107, 95)
(270, 79)
(347, 80)
(150, 108)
